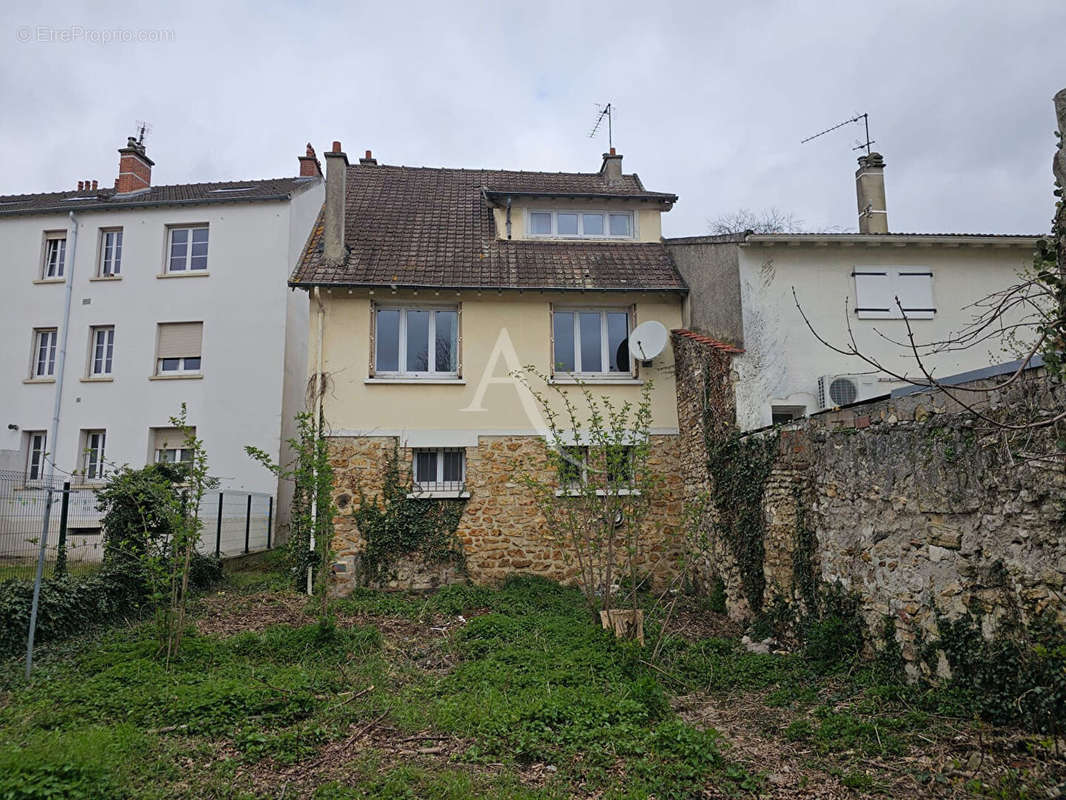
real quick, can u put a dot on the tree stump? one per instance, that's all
(626, 623)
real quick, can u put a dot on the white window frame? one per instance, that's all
(110, 261)
(40, 453)
(94, 444)
(101, 353)
(439, 487)
(39, 341)
(893, 277)
(182, 455)
(605, 355)
(182, 369)
(55, 244)
(401, 362)
(187, 268)
(555, 212)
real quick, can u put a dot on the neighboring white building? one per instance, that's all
(741, 291)
(178, 295)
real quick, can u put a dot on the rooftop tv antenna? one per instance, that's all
(858, 145)
(142, 128)
(603, 112)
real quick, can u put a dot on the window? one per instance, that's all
(573, 466)
(103, 348)
(440, 469)
(416, 341)
(876, 290)
(110, 253)
(44, 353)
(55, 255)
(781, 415)
(619, 464)
(168, 445)
(188, 249)
(35, 453)
(582, 224)
(178, 348)
(93, 454)
(591, 342)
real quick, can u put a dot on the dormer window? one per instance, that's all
(582, 224)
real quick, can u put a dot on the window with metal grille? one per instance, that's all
(439, 469)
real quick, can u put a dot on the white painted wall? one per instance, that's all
(254, 339)
(783, 359)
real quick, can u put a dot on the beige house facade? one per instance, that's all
(452, 299)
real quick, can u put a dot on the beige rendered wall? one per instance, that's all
(500, 332)
(648, 220)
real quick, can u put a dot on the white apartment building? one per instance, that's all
(177, 295)
(749, 290)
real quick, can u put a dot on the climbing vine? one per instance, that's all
(393, 524)
(804, 581)
(739, 467)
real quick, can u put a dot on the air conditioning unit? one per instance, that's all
(841, 390)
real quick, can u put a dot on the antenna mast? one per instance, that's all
(859, 145)
(142, 128)
(604, 111)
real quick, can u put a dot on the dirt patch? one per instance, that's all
(940, 766)
(227, 613)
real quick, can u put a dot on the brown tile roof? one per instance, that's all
(424, 227)
(178, 194)
(707, 340)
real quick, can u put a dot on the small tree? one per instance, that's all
(152, 527)
(312, 510)
(599, 486)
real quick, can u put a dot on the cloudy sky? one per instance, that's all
(712, 98)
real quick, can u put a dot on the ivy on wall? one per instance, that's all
(394, 525)
(739, 467)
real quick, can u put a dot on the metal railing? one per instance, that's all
(234, 522)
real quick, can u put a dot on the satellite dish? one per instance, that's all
(647, 340)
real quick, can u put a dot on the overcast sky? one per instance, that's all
(712, 98)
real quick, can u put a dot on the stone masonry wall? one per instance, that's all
(501, 530)
(922, 507)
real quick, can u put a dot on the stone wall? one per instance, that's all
(502, 530)
(920, 506)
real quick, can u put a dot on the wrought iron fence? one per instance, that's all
(234, 522)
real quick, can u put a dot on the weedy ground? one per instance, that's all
(472, 692)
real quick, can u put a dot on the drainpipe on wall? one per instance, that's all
(317, 425)
(53, 434)
(61, 362)
(508, 216)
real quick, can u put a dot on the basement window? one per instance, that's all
(439, 471)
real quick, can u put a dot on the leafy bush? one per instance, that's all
(1019, 675)
(69, 604)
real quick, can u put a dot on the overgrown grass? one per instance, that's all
(534, 688)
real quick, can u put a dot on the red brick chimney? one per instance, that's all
(134, 168)
(309, 164)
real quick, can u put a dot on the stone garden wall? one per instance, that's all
(920, 507)
(501, 529)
